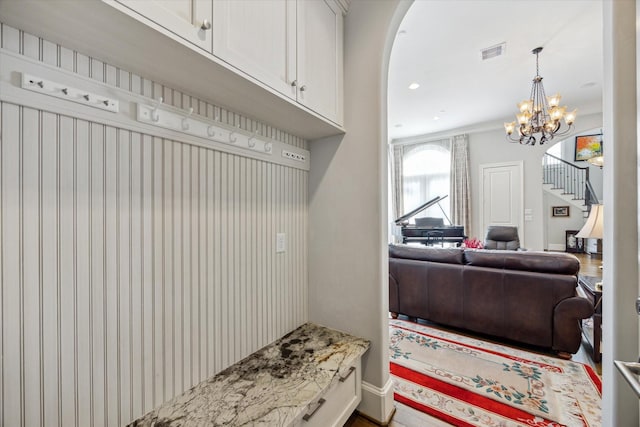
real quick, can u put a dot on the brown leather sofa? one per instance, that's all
(528, 297)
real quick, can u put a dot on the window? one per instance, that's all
(426, 174)
(556, 150)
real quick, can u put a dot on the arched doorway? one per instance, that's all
(348, 218)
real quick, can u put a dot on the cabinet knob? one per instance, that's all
(294, 83)
(206, 25)
(303, 88)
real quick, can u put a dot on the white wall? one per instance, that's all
(134, 266)
(348, 264)
(556, 226)
(491, 147)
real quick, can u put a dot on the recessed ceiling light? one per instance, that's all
(402, 32)
(436, 118)
(588, 84)
(414, 86)
(399, 125)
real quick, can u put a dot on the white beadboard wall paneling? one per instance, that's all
(134, 264)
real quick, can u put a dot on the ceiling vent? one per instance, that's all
(493, 51)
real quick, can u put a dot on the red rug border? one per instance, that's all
(473, 398)
(442, 416)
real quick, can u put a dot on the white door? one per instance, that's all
(259, 38)
(501, 198)
(320, 59)
(185, 18)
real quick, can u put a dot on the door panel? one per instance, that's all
(319, 60)
(182, 17)
(259, 38)
(501, 196)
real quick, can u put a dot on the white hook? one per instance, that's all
(211, 131)
(267, 147)
(155, 116)
(232, 137)
(252, 139)
(185, 123)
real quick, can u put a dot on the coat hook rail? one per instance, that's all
(62, 91)
(184, 121)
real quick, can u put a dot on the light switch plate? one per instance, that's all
(281, 242)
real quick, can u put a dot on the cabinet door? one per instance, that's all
(259, 38)
(185, 18)
(319, 62)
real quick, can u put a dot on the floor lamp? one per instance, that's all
(594, 228)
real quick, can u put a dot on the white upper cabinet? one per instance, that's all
(259, 38)
(319, 59)
(188, 19)
(277, 61)
(294, 47)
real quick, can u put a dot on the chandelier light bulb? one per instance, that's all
(550, 126)
(540, 117)
(570, 117)
(509, 127)
(554, 100)
(525, 105)
(523, 118)
(557, 113)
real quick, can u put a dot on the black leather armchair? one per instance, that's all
(502, 237)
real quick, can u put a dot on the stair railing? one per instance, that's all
(568, 177)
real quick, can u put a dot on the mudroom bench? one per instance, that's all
(309, 377)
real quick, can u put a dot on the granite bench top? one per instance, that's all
(275, 386)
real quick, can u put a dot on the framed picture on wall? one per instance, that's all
(573, 243)
(588, 146)
(560, 211)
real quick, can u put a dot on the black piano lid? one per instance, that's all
(419, 209)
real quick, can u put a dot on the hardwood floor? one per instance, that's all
(590, 266)
(409, 417)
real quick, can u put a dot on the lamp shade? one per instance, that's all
(594, 226)
(596, 161)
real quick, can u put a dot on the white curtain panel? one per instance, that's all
(460, 183)
(398, 153)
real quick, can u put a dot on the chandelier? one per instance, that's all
(540, 115)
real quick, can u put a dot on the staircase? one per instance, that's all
(569, 182)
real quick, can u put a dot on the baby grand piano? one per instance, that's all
(430, 231)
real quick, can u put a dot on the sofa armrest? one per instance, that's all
(394, 303)
(567, 332)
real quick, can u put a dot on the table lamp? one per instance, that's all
(594, 228)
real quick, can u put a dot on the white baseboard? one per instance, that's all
(556, 247)
(377, 403)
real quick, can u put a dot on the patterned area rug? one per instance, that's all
(468, 382)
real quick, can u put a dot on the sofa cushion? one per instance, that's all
(542, 262)
(445, 255)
